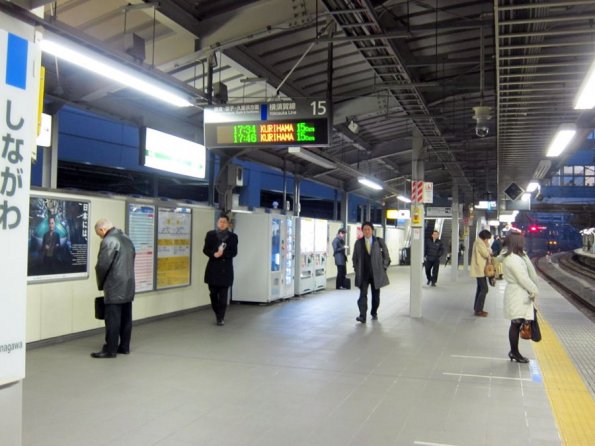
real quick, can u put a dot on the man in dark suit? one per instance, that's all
(221, 246)
(340, 258)
(50, 247)
(434, 250)
(370, 261)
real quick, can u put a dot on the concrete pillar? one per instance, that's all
(454, 244)
(417, 233)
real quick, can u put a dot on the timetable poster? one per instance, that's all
(173, 247)
(141, 230)
(58, 239)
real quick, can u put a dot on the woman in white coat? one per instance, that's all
(520, 292)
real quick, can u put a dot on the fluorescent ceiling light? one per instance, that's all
(542, 169)
(403, 198)
(585, 98)
(312, 157)
(532, 187)
(105, 67)
(493, 223)
(563, 137)
(369, 183)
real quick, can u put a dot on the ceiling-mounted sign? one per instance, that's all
(302, 122)
(438, 212)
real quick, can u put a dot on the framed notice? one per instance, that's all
(58, 239)
(174, 244)
(140, 220)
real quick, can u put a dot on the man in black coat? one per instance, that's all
(221, 246)
(434, 250)
(340, 258)
(115, 276)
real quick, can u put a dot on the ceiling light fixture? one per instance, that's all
(563, 137)
(312, 157)
(369, 183)
(403, 199)
(542, 169)
(532, 187)
(105, 67)
(585, 98)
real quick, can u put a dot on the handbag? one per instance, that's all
(490, 269)
(526, 330)
(99, 308)
(535, 330)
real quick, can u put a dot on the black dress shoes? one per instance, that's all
(375, 317)
(123, 351)
(102, 355)
(429, 281)
(433, 284)
(361, 319)
(220, 322)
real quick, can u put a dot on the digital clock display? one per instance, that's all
(270, 133)
(302, 122)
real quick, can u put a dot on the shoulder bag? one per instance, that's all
(99, 308)
(490, 269)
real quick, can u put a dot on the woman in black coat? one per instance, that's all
(221, 246)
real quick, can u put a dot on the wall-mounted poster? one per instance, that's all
(173, 247)
(58, 238)
(141, 230)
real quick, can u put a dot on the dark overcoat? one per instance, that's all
(219, 271)
(380, 261)
(115, 267)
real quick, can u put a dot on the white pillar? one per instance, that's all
(417, 233)
(454, 228)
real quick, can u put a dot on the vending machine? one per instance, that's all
(304, 265)
(264, 266)
(320, 256)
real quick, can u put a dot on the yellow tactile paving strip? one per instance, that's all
(572, 404)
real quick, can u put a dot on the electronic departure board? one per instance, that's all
(303, 123)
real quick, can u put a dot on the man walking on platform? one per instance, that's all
(433, 252)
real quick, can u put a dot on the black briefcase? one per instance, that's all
(347, 283)
(99, 308)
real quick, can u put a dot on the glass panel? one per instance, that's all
(590, 181)
(275, 244)
(589, 170)
(579, 170)
(568, 181)
(579, 181)
(568, 169)
(555, 181)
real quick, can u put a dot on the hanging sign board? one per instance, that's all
(428, 192)
(438, 212)
(273, 124)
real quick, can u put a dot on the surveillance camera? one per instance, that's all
(482, 130)
(482, 116)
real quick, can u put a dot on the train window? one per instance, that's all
(590, 181)
(555, 181)
(568, 170)
(589, 170)
(579, 170)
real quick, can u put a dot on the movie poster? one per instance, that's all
(58, 239)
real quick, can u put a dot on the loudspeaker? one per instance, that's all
(235, 175)
(513, 191)
(220, 92)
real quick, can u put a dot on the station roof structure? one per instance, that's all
(396, 65)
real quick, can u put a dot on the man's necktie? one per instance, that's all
(368, 245)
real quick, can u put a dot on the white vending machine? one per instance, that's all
(264, 266)
(304, 265)
(320, 257)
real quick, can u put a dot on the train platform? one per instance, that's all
(304, 372)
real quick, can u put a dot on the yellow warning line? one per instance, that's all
(573, 405)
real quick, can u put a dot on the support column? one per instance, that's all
(49, 170)
(417, 233)
(454, 237)
(345, 209)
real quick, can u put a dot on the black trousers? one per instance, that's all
(362, 302)
(218, 296)
(341, 274)
(118, 327)
(432, 267)
(480, 293)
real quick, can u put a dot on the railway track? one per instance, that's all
(579, 289)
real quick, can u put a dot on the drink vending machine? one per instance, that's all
(304, 265)
(264, 266)
(320, 256)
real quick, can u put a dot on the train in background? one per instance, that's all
(541, 239)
